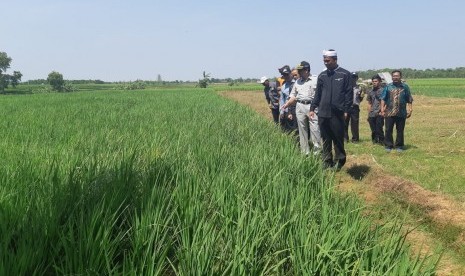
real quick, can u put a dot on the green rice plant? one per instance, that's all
(237, 87)
(152, 229)
(444, 88)
(174, 182)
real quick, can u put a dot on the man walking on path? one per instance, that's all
(333, 98)
(396, 107)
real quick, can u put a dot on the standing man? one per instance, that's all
(272, 97)
(303, 93)
(396, 107)
(354, 112)
(375, 119)
(287, 115)
(333, 98)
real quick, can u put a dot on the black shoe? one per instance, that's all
(339, 164)
(337, 167)
(328, 165)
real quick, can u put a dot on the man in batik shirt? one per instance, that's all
(396, 107)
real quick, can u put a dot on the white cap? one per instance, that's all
(329, 53)
(263, 79)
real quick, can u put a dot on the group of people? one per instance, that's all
(321, 108)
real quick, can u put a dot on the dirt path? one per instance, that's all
(365, 177)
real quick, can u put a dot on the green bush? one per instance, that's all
(56, 80)
(137, 85)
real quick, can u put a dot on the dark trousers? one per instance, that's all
(376, 126)
(399, 122)
(275, 114)
(353, 120)
(332, 133)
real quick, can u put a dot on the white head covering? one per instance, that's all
(329, 53)
(263, 79)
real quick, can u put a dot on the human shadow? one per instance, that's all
(358, 172)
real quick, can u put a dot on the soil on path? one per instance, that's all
(363, 176)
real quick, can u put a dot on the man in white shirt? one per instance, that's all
(303, 93)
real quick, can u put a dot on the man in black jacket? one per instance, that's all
(272, 97)
(333, 97)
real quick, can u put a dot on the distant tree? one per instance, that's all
(6, 79)
(16, 78)
(56, 80)
(5, 61)
(409, 73)
(203, 83)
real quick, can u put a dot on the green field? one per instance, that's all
(434, 137)
(173, 181)
(448, 88)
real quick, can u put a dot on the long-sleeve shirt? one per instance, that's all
(272, 95)
(334, 93)
(286, 89)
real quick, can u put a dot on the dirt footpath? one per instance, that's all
(363, 176)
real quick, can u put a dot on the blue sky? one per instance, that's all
(129, 40)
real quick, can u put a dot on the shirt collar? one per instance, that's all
(308, 79)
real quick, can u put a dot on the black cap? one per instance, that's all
(285, 70)
(303, 65)
(354, 74)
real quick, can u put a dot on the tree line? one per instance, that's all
(409, 73)
(55, 79)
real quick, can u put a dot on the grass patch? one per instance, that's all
(449, 235)
(435, 146)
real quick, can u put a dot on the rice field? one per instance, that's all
(174, 182)
(444, 88)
